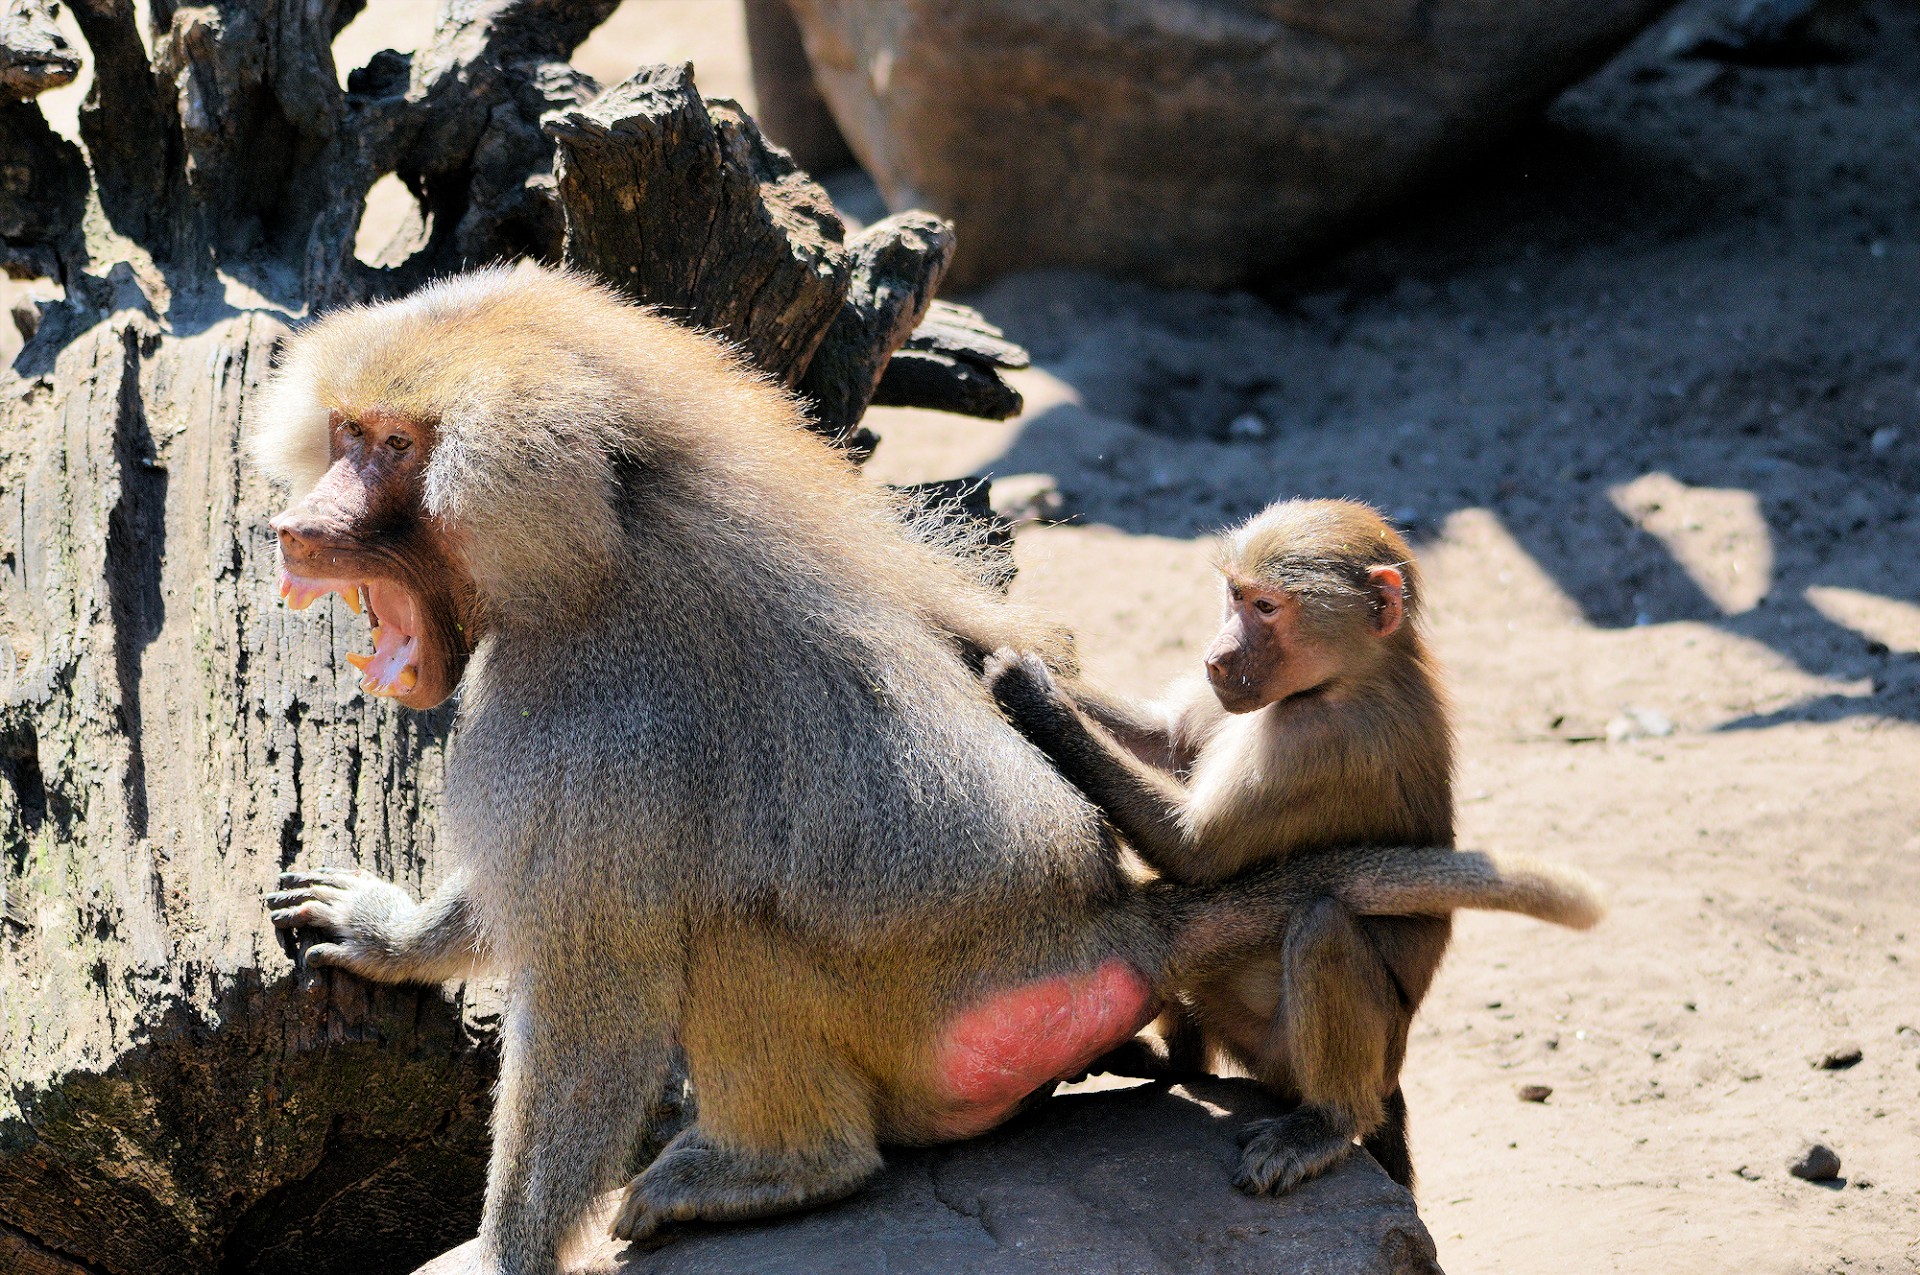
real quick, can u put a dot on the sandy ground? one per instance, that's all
(1644, 389)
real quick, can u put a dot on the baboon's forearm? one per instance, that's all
(438, 941)
(1144, 804)
(1136, 727)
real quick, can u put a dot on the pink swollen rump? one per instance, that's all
(1004, 1048)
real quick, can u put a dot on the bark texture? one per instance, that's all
(173, 1096)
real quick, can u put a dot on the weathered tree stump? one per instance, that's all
(173, 1098)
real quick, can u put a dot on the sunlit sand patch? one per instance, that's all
(1717, 535)
(1477, 542)
(1889, 621)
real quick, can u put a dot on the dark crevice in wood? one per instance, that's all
(22, 1254)
(136, 546)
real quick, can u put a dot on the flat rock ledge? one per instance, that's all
(1131, 1182)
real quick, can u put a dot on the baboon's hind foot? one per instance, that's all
(699, 1180)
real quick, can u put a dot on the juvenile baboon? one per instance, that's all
(722, 782)
(1320, 730)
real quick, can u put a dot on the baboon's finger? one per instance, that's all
(315, 894)
(308, 916)
(315, 876)
(328, 955)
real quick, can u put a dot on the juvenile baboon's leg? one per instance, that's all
(1339, 1011)
(584, 1064)
(1177, 1052)
(784, 1119)
(1388, 1144)
(1411, 948)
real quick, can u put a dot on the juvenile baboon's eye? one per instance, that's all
(351, 427)
(1265, 606)
(399, 442)
(1235, 592)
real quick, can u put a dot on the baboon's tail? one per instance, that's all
(1405, 882)
(1211, 924)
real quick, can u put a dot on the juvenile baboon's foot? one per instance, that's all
(699, 1180)
(1278, 1154)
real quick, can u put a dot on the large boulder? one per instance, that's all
(1188, 142)
(1133, 1180)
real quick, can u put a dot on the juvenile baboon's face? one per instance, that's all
(1315, 590)
(1263, 652)
(363, 532)
(1273, 644)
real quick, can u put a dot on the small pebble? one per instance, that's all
(1534, 1093)
(1639, 723)
(1839, 1058)
(1817, 1163)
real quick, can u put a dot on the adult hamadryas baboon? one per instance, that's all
(724, 779)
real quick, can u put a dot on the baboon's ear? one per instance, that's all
(1389, 588)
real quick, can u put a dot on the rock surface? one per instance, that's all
(1199, 143)
(1132, 1180)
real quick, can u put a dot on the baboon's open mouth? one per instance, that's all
(394, 667)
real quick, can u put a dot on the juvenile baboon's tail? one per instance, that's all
(1214, 924)
(1406, 882)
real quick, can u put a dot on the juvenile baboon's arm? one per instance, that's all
(377, 930)
(1150, 732)
(1145, 804)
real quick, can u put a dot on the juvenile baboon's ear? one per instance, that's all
(1389, 588)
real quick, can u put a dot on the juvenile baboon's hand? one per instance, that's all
(1024, 689)
(361, 912)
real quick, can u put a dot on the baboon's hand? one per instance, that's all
(972, 654)
(1024, 689)
(362, 913)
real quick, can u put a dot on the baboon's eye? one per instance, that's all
(352, 428)
(1236, 592)
(1265, 606)
(399, 442)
